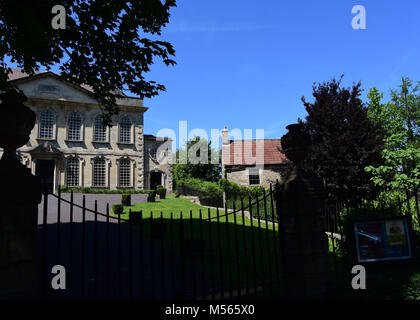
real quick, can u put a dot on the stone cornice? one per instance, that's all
(35, 101)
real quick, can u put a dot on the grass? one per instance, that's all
(239, 253)
(256, 256)
(397, 280)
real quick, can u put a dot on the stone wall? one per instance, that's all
(161, 163)
(268, 174)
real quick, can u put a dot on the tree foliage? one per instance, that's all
(344, 140)
(399, 120)
(195, 161)
(104, 44)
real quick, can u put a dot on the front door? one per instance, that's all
(155, 180)
(44, 169)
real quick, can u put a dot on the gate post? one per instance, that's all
(19, 198)
(305, 244)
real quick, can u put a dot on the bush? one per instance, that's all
(161, 191)
(103, 191)
(151, 197)
(412, 288)
(209, 193)
(126, 199)
(118, 208)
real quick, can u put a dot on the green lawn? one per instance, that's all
(257, 248)
(228, 248)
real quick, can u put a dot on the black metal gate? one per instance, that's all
(206, 255)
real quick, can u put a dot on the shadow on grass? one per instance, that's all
(384, 280)
(160, 259)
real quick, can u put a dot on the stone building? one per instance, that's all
(70, 145)
(252, 162)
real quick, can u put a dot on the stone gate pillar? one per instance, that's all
(20, 194)
(305, 243)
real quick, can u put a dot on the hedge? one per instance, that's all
(211, 194)
(66, 189)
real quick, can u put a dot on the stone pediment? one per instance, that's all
(49, 86)
(46, 147)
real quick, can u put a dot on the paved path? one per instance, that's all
(102, 199)
(73, 245)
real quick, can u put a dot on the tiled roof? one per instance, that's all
(252, 152)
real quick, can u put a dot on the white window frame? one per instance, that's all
(106, 131)
(131, 141)
(254, 172)
(53, 137)
(82, 127)
(106, 173)
(79, 174)
(131, 178)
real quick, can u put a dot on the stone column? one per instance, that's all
(20, 194)
(305, 244)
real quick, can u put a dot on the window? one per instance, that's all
(153, 153)
(74, 125)
(99, 172)
(72, 172)
(46, 125)
(254, 179)
(125, 130)
(124, 173)
(99, 134)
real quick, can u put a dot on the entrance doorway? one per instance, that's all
(155, 180)
(44, 169)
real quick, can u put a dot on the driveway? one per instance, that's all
(94, 271)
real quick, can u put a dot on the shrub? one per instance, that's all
(134, 217)
(126, 199)
(412, 288)
(161, 191)
(151, 197)
(209, 193)
(118, 208)
(64, 188)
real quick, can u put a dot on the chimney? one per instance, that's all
(225, 136)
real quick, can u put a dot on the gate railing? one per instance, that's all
(205, 254)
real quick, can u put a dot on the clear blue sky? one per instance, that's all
(246, 64)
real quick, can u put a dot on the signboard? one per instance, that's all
(383, 239)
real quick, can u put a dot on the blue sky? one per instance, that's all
(246, 64)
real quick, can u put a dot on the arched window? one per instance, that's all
(124, 174)
(74, 127)
(99, 172)
(72, 172)
(125, 130)
(99, 129)
(46, 125)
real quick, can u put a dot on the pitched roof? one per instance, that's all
(252, 152)
(17, 74)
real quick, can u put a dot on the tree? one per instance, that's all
(344, 140)
(399, 121)
(103, 45)
(195, 161)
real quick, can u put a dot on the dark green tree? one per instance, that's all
(107, 45)
(344, 140)
(197, 160)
